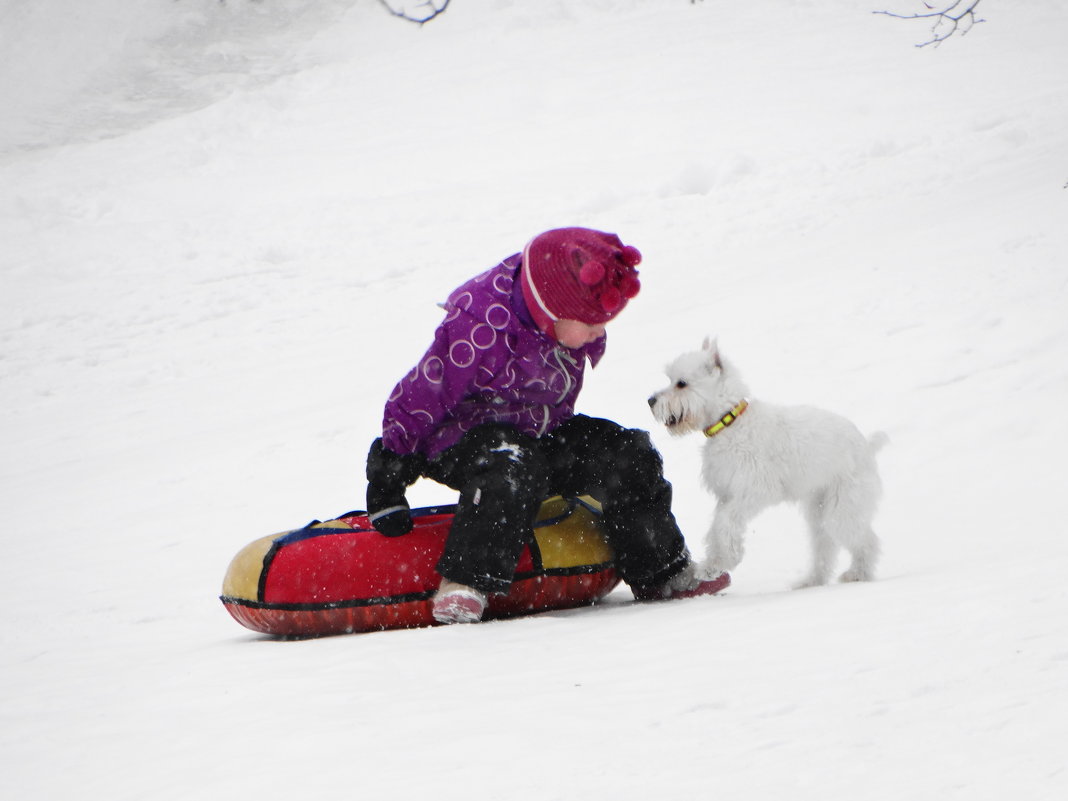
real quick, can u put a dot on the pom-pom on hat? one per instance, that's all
(578, 274)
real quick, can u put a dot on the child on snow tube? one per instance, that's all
(490, 412)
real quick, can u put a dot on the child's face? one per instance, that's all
(573, 334)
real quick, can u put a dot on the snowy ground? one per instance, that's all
(223, 229)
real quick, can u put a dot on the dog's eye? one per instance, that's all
(680, 385)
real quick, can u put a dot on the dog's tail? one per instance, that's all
(878, 441)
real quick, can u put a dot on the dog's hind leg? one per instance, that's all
(824, 547)
(865, 552)
(848, 522)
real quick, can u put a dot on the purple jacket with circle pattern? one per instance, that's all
(489, 363)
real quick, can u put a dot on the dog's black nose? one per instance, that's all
(652, 401)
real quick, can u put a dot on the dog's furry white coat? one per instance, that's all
(770, 454)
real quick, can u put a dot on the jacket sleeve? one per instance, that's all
(445, 375)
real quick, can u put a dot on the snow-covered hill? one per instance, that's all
(223, 230)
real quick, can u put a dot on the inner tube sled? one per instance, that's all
(342, 576)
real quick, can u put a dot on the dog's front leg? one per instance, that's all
(725, 543)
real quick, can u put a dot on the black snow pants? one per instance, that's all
(503, 476)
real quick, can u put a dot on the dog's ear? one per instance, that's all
(712, 346)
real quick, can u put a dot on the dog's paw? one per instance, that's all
(709, 569)
(855, 574)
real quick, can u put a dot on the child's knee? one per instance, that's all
(637, 458)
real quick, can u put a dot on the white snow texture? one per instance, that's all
(224, 227)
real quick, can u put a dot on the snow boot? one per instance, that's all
(458, 603)
(685, 584)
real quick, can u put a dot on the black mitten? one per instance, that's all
(388, 476)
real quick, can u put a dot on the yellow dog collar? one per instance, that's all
(727, 419)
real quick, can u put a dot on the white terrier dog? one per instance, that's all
(759, 454)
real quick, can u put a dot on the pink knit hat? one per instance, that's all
(578, 274)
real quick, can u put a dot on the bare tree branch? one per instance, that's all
(948, 20)
(422, 10)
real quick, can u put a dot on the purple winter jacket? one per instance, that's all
(489, 363)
